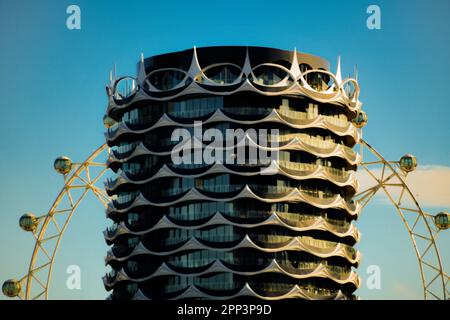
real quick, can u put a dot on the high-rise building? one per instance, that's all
(228, 229)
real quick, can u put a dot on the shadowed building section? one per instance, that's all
(226, 230)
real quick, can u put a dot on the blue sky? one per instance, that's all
(53, 99)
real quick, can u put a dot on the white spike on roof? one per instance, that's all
(247, 68)
(338, 71)
(295, 68)
(194, 68)
(141, 73)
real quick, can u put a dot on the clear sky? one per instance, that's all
(53, 99)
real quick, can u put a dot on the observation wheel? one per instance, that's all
(80, 179)
(423, 228)
(389, 176)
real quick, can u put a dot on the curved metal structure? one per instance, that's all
(79, 180)
(179, 235)
(390, 176)
(297, 74)
(196, 219)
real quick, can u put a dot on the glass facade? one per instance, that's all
(307, 244)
